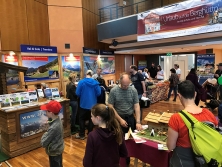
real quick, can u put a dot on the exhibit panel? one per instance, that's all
(21, 129)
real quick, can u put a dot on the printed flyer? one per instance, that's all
(69, 65)
(55, 93)
(14, 99)
(40, 68)
(24, 97)
(12, 76)
(33, 96)
(40, 93)
(5, 100)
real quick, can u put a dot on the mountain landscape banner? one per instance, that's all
(12, 76)
(186, 18)
(40, 68)
(70, 65)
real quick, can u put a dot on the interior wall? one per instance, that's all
(23, 22)
(119, 65)
(218, 55)
(66, 25)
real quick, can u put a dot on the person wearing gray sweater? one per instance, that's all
(52, 140)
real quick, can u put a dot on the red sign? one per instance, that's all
(38, 58)
(9, 58)
(74, 58)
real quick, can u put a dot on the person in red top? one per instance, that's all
(178, 136)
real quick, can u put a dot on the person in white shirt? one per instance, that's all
(160, 73)
(98, 74)
(178, 70)
(145, 73)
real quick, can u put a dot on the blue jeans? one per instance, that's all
(174, 89)
(74, 105)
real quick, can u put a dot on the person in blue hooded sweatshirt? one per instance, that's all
(87, 90)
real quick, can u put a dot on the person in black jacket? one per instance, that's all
(218, 74)
(192, 76)
(71, 94)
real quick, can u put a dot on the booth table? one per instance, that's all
(158, 92)
(22, 129)
(147, 153)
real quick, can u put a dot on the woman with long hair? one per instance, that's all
(160, 73)
(178, 136)
(105, 145)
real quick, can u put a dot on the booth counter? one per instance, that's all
(22, 128)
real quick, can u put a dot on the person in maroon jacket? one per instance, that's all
(105, 145)
(192, 76)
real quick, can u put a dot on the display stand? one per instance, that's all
(14, 141)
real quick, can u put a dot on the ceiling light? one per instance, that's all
(204, 45)
(160, 49)
(11, 53)
(71, 55)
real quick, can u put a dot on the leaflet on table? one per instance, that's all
(55, 93)
(5, 100)
(40, 93)
(33, 96)
(15, 99)
(136, 138)
(24, 97)
(162, 147)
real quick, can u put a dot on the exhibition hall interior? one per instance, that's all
(110, 83)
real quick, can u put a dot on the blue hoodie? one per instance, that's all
(88, 90)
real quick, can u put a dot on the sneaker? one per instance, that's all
(144, 98)
(174, 99)
(166, 100)
(80, 137)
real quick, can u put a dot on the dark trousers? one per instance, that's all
(220, 88)
(130, 119)
(74, 105)
(174, 89)
(84, 114)
(141, 111)
(55, 161)
(197, 99)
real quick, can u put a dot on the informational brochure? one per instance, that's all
(33, 96)
(15, 99)
(55, 93)
(5, 100)
(40, 93)
(24, 97)
(48, 93)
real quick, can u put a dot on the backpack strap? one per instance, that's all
(188, 118)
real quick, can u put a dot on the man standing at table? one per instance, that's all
(124, 99)
(178, 70)
(152, 71)
(98, 74)
(139, 84)
(217, 75)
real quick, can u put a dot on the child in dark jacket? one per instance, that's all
(105, 145)
(52, 140)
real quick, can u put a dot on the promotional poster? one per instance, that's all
(40, 68)
(180, 19)
(12, 76)
(70, 65)
(107, 63)
(35, 122)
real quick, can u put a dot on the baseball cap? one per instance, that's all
(52, 106)
(220, 64)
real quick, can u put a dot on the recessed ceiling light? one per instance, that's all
(160, 49)
(204, 45)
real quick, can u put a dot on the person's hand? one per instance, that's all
(123, 123)
(144, 94)
(216, 75)
(139, 126)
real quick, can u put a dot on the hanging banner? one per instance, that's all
(38, 49)
(107, 63)
(205, 67)
(40, 68)
(70, 64)
(12, 76)
(142, 65)
(186, 18)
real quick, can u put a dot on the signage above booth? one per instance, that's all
(38, 49)
(106, 52)
(90, 51)
(186, 18)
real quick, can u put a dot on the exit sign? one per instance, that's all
(169, 54)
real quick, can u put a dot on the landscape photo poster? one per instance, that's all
(70, 65)
(106, 63)
(12, 76)
(35, 122)
(40, 68)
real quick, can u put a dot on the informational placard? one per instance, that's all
(38, 49)
(12, 76)
(70, 64)
(5, 100)
(205, 66)
(107, 63)
(40, 93)
(35, 122)
(142, 65)
(190, 17)
(33, 96)
(48, 93)
(15, 99)
(24, 97)
(40, 68)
